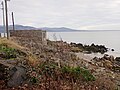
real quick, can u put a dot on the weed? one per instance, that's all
(7, 52)
(77, 72)
(34, 80)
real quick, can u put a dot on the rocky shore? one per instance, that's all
(90, 48)
(26, 65)
(108, 62)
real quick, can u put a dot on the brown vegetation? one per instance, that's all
(55, 67)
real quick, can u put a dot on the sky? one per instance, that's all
(75, 14)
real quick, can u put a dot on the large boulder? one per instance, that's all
(12, 74)
(3, 73)
(17, 76)
(108, 57)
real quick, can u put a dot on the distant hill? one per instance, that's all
(18, 27)
(61, 29)
(21, 27)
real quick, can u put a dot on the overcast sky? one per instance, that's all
(76, 14)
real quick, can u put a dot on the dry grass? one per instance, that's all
(32, 59)
(104, 83)
(11, 44)
(76, 49)
(29, 56)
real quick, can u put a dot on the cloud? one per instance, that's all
(66, 13)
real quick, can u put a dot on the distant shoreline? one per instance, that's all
(49, 29)
(88, 31)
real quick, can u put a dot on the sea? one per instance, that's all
(111, 39)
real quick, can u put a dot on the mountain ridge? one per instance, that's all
(54, 29)
(21, 27)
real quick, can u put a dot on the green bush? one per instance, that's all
(65, 72)
(78, 72)
(48, 68)
(7, 52)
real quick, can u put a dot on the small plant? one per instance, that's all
(77, 72)
(34, 80)
(7, 52)
(48, 68)
(87, 75)
(49, 73)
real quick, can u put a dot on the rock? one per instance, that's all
(12, 62)
(96, 59)
(42, 56)
(2, 55)
(17, 76)
(12, 71)
(3, 73)
(112, 50)
(26, 85)
(86, 65)
(117, 59)
(100, 64)
(111, 58)
(37, 53)
(106, 56)
(102, 59)
(100, 70)
(91, 48)
(116, 68)
(108, 64)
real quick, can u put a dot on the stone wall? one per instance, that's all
(38, 36)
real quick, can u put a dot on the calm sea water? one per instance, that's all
(111, 39)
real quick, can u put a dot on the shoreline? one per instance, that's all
(89, 38)
(84, 56)
(46, 64)
(93, 50)
(92, 55)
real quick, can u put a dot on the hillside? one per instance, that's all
(18, 27)
(27, 65)
(62, 29)
(21, 27)
(59, 29)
